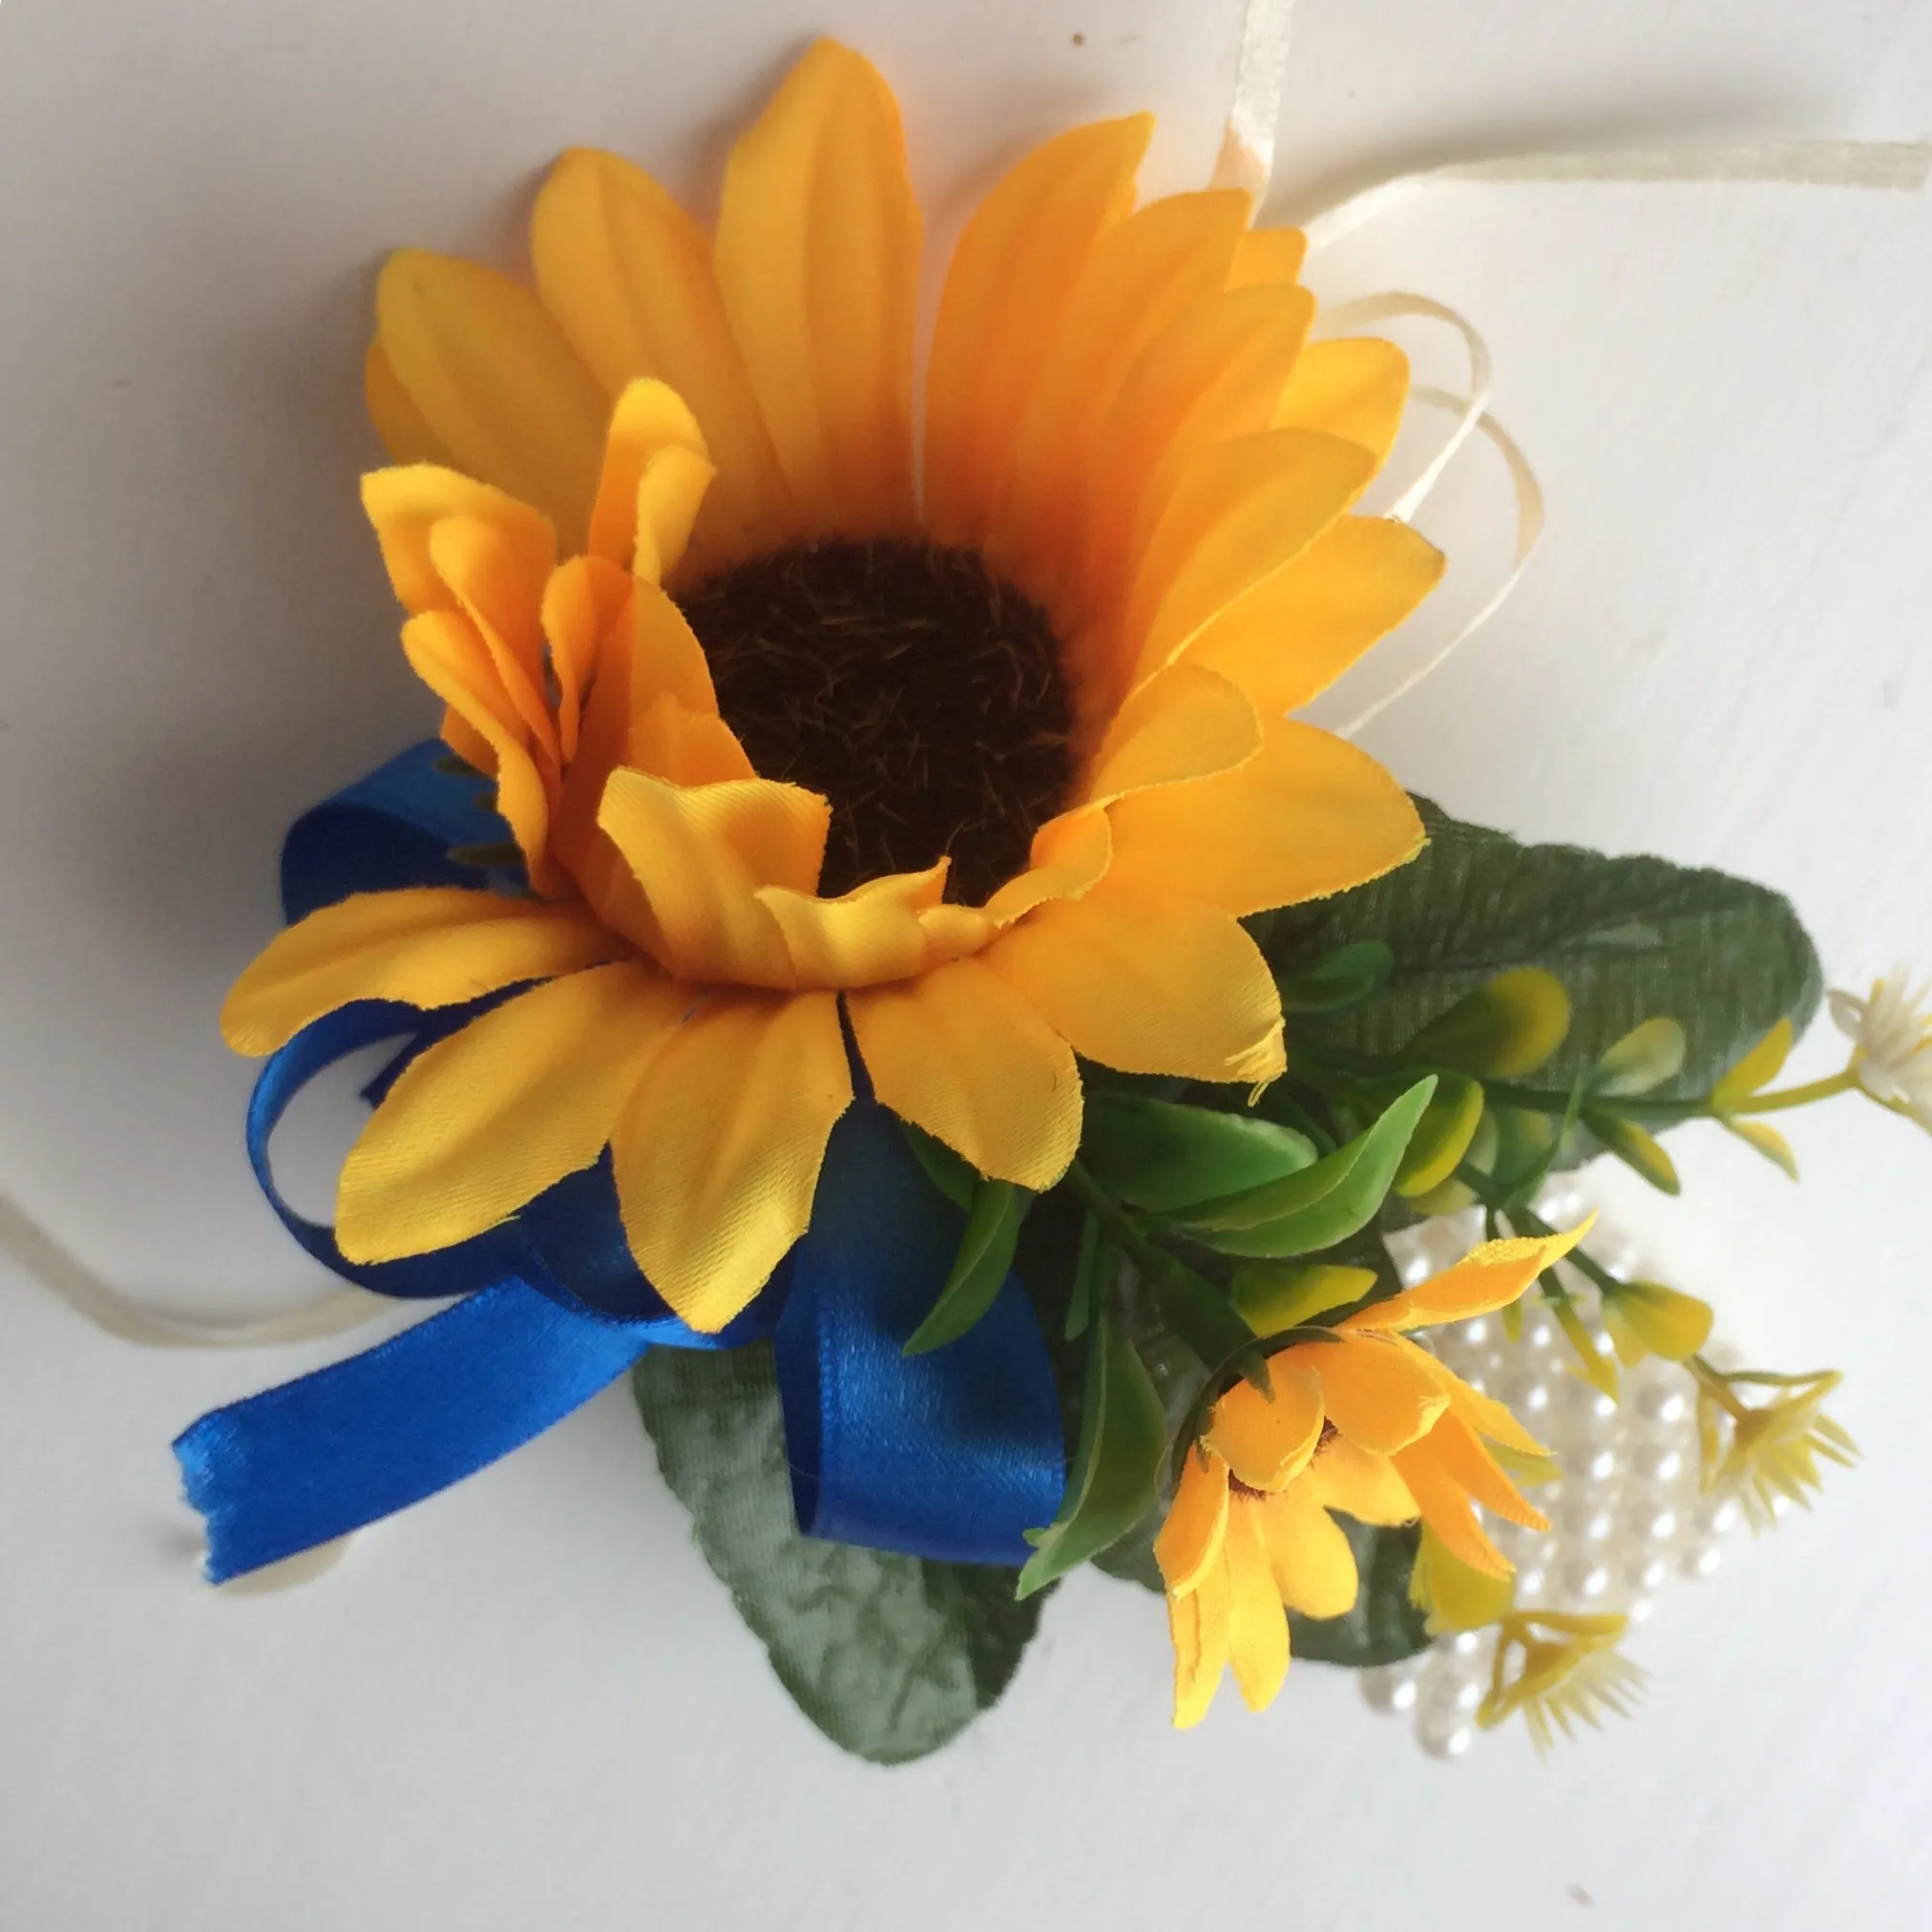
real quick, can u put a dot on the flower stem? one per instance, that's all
(1798, 1096)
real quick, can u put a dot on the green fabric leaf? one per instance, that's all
(1322, 1205)
(954, 1176)
(979, 1267)
(888, 1655)
(1117, 1469)
(1384, 1627)
(1630, 939)
(1159, 1157)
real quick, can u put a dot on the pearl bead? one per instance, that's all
(1720, 1518)
(1601, 1466)
(1657, 1462)
(1653, 1526)
(1638, 1610)
(1389, 1689)
(1701, 1560)
(1416, 1268)
(1647, 1574)
(1662, 1405)
(1476, 1332)
(1451, 1696)
(1530, 1586)
(1446, 1737)
(1539, 1333)
(1464, 1644)
(1583, 1405)
(1583, 1579)
(1525, 1395)
(1584, 1518)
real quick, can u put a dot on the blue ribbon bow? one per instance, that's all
(952, 1454)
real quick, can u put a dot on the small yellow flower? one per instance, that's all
(1646, 1318)
(1365, 1423)
(1559, 1668)
(1761, 1452)
(958, 731)
(1891, 1036)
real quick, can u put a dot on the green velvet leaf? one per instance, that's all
(1384, 1627)
(1159, 1157)
(888, 1655)
(1322, 1205)
(1116, 1468)
(1630, 939)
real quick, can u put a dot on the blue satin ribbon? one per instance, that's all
(949, 1455)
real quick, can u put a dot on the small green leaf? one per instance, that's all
(1203, 1318)
(891, 1656)
(979, 1269)
(1159, 1157)
(1636, 1148)
(954, 1176)
(1345, 978)
(1442, 1136)
(1081, 1299)
(1755, 1070)
(1116, 1468)
(1273, 1298)
(1643, 1059)
(1322, 1205)
(1508, 1028)
(1767, 1139)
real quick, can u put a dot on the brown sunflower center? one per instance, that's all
(907, 684)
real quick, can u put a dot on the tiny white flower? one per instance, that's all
(1891, 1035)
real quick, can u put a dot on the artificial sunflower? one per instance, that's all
(1362, 1422)
(980, 756)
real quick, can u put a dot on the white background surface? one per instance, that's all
(527, 1704)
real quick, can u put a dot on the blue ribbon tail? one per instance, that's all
(310, 1461)
(952, 1454)
(393, 828)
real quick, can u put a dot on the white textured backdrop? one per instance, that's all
(527, 1704)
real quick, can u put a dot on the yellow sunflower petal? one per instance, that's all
(1268, 1439)
(1197, 1621)
(1375, 1394)
(1487, 1277)
(1446, 1510)
(1359, 1484)
(665, 654)
(1312, 1564)
(493, 379)
(1218, 372)
(671, 740)
(1190, 1541)
(1353, 386)
(656, 469)
(585, 602)
(1241, 512)
(701, 851)
(818, 258)
(506, 610)
(961, 1054)
(1183, 724)
(1488, 1417)
(628, 276)
(405, 505)
(1070, 855)
(717, 1154)
(1143, 274)
(1007, 291)
(1290, 636)
(431, 946)
(868, 935)
(1147, 985)
(1267, 255)
(485, 1121)
(1257, 1631)
(446, 653)
(1459, 1453)
(1307, 816)
(398, 422)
